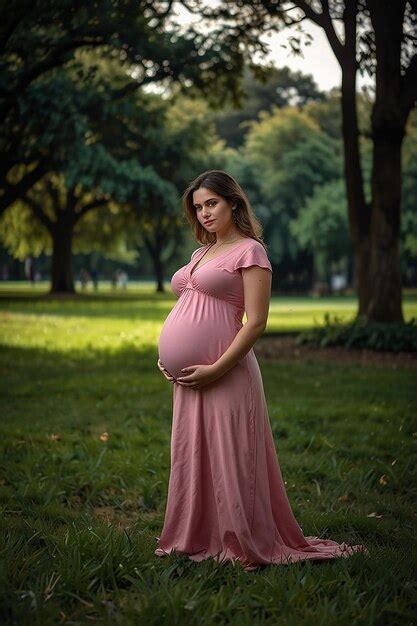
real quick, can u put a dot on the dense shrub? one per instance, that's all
(362, 334)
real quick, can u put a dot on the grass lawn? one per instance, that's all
(85, 433)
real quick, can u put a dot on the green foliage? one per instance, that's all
(94, 143)
(21, 235)
(362, 334)
(92, 146)
(289, 156)
(321, 226)
(140, 35)
(265, 89)
(327, 114)
(72, 110)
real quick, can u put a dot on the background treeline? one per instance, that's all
(283, 145)
(110, 110)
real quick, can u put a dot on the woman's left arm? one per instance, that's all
(257, 293)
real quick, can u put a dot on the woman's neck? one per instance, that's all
(231, 235)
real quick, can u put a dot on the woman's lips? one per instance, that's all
(208, 222)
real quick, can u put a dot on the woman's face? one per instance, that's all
(213, 211)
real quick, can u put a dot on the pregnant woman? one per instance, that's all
(226, 495)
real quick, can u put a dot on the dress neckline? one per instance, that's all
(195, 269)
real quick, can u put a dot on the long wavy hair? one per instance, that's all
(224, 185)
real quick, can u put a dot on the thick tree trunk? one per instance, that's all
(359, 213)
(388, 129)
(62, 280)
(385, 277)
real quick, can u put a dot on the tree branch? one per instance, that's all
(10, 30)
(94, 204)
(135, 84)
(39, 213)
(324, 20)
(54, 60)
(349, 49)
(17, 191)
(310, 13)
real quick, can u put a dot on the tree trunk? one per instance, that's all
(385, 276)
(361, 263)
(62, 280)
(359, 213)
(159, 272)
(155, 249)
(388, 129)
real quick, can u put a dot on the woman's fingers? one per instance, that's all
(165, 372)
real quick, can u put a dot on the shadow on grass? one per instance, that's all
(12, 295)
(141, 307)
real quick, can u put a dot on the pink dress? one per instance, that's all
(226, 495)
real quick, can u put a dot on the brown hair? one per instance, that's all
(226, 186)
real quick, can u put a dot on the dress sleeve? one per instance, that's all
(253, 255)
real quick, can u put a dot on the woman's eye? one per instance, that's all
(210, 204)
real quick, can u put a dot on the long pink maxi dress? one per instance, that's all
(226, 495)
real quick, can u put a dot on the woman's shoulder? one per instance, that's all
(256, 243)
(252, 253)
(252, 244)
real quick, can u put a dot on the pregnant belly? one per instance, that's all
(184, 342)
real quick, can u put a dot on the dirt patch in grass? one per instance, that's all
(284, 348)
(121, 519)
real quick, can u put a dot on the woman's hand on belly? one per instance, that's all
(196, 376)
(165, 372)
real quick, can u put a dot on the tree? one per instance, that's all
(126, 180)
(409, 205)
(271, 88)
(92, 151)
(37, 39)
(321, 227)
(289, 156)
(379, 37)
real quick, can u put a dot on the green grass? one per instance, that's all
(345, 437)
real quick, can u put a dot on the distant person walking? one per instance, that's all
(30, 270)
(94, 278)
